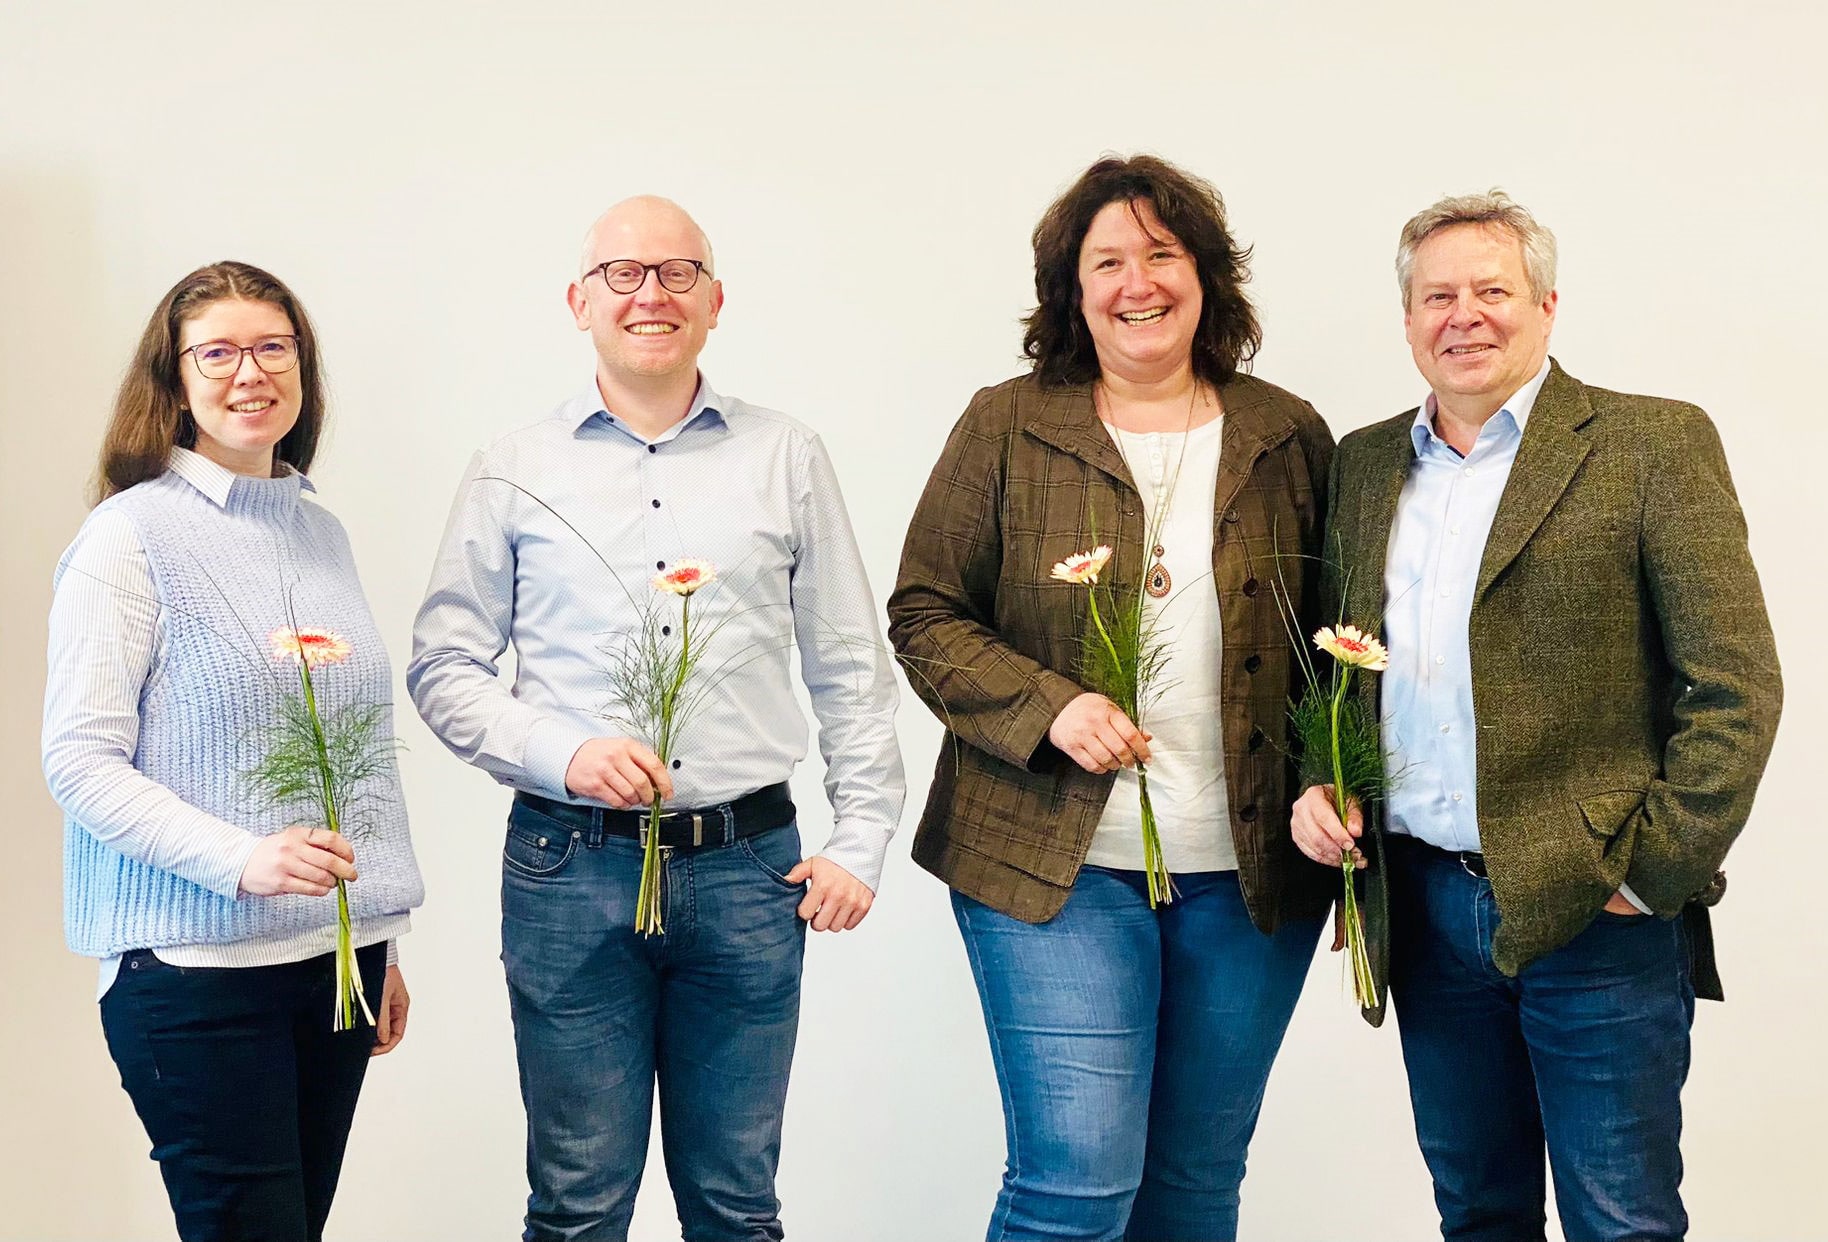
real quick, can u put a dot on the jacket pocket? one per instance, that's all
(1608, 814)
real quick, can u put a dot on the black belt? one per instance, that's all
(685, 828)
(1470, 861)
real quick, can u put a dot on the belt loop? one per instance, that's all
(729, 814)
(595, 839)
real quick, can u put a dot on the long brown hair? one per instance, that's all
(149, 415)
(1058, 340)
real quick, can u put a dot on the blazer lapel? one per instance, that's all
(1551, 451)
(1067, 420)
(1252, 428)
(1388, 454)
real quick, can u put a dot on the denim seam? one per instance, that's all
(1000, 1216)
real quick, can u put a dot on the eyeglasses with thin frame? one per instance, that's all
(220, 359)
(628, 275)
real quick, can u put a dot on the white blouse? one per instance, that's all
(1177, 474)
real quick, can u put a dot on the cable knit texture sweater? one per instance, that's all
(225, 577)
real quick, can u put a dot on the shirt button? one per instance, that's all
(1454, 529)
(656, 504)
(677, 762)
(659, 564)
(1447, 728)
(1469, 471)
(655, 448)
(1445, 592)
(1459, 797)
(1440, 659)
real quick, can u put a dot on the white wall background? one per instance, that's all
(421, 173)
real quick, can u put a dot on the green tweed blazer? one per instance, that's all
(1625, 681)
(991, 643)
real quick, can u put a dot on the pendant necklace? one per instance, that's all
(1158, 581)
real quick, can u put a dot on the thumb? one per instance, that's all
(802, 872)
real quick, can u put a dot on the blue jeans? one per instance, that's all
(1583, 1053)
(245, 1091)
(709, 1010)
(1132, 1047)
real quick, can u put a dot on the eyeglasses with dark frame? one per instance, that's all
(220, 359)
(628, 275)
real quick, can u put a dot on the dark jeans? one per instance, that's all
(243, 1088)
(1584, 1053)
(710, 1009)
(1132, 1047)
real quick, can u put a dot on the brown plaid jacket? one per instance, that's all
(1625, 681)
(1029, 476)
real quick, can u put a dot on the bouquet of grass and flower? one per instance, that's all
(1122, 657)
(659, 683)
(319, 755)
(1335, 735)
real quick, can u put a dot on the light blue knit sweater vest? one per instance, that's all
(223, 577)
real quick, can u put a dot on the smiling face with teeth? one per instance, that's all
(1139, 292)
(651, 335)
(1477, 333)
(241, 417)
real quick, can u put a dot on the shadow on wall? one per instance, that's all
(61, 349)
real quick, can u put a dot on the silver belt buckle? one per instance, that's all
(698, 828)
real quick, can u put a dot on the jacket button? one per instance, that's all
(1250, 586)
(1231, 515)
(1252, 663)
(1249, 814)
(1256, 739)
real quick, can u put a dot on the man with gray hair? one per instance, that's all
(1581, 696)
(557, 530)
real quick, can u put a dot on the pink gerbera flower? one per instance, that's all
(1082, 568)
(315, 647)
(686, 577)
(1349, 645)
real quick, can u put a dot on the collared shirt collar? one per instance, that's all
(589, 404)
(1518, 407)
(215, 480)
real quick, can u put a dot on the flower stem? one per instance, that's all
(1364, 983)
(349, 991)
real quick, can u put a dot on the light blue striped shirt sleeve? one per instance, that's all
(556, 532)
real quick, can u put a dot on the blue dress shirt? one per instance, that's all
(1436, 543)
(749, 490)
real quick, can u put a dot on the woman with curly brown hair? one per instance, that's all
(1132, 1039)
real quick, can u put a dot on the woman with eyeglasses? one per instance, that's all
(1132, 1025)
(212, 912)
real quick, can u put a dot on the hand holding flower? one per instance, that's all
(298, 860)
(1095, 733)
(1319, 834)
(621, 771)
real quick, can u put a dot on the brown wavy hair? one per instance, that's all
(1056, 337)
(149, 415)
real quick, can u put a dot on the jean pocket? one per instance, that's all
(537, 847)
(774, 853)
